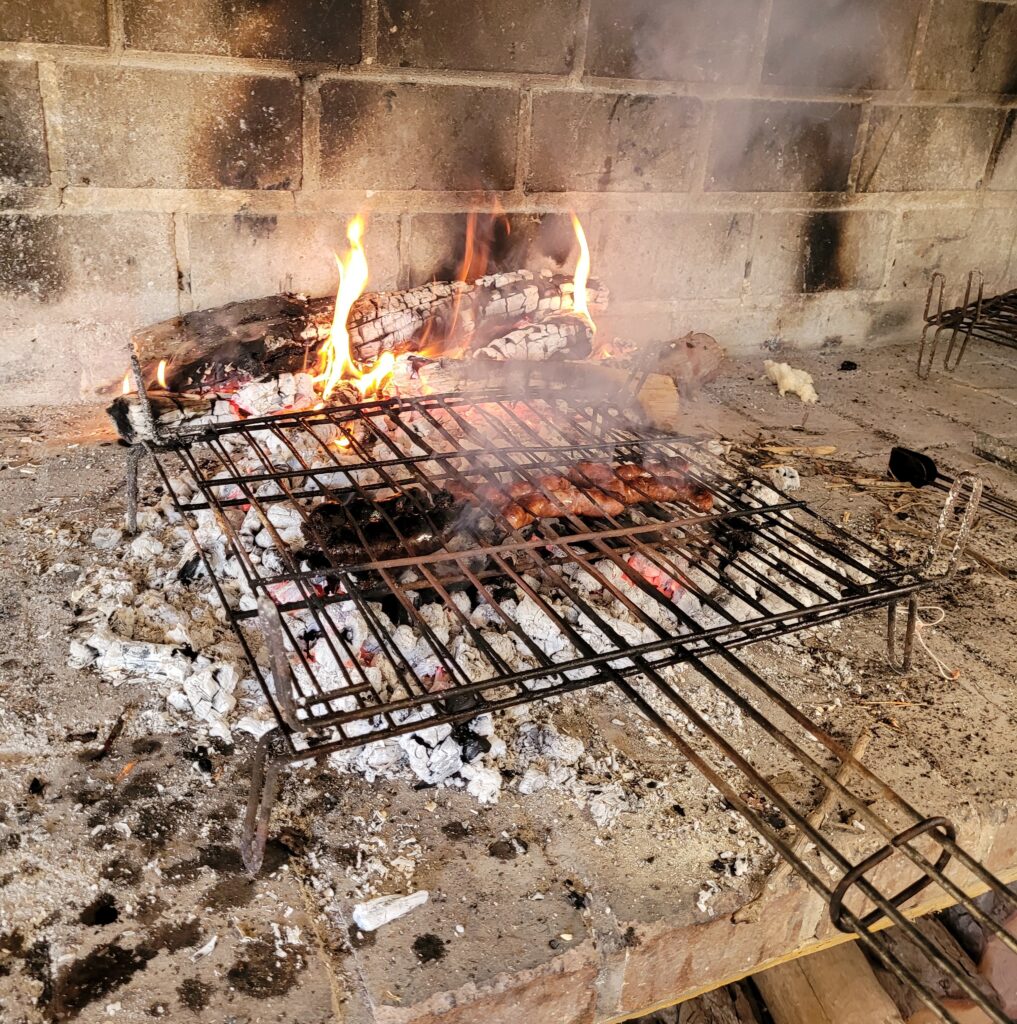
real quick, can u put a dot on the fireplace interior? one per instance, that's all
(509, 511)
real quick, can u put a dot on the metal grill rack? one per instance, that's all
(803, 570)
(757, 566)
(987, 319)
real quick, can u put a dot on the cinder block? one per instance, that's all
(706, 254)
(970, 46)
(247, 256)
(911, 149)
(589, 142)
(172, 129)
(72, 288)
(773, 146)
(865, 44)
(818, 251)
(1002, 172)
(692, 41)
(103, 266)
(23, 159)
(534, 36)
(417, 136)
(82, 22)
(437, 244)
(300, 30)
(953, 242)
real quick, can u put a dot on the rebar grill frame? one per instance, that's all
(991, 319)
(871, 579)
(812, 567)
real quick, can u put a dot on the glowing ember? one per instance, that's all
(335, 359)
(654, 574)
(582, 274)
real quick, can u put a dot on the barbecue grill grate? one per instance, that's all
(756, 566)
(987, 319)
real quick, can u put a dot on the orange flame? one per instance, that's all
(160, 374)
(127, 383)
(582, 274)
(335, 359)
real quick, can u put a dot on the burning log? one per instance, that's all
(219, 349)
(559, 334)
(172, 412)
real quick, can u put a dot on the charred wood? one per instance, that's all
(217, 349)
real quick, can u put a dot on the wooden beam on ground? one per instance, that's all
(834, 987)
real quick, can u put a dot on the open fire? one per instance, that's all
(340, 374)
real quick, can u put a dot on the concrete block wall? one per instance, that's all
(772, 171)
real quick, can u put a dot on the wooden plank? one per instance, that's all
(834, 987)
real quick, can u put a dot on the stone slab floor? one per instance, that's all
(121, 893)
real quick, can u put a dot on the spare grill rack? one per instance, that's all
(762, 566)
(987, 319)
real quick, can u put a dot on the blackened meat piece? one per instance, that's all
(358, 531)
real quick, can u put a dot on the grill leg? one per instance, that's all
(904, 664)
(260, 800)
(134, 457)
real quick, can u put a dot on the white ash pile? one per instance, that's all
(152, 616)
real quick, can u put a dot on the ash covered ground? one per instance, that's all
(119, 810)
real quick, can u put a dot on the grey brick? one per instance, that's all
(657, 255)
(484, 35)
(82, 22)
(819, 251)
(415, 136)
(922, 148)
(110, 266)
(1002, 172)
(23, 159)
(300, 30)
(170, 129)
(970, 46)
(850, 44)
(247, 256)
(692, 41)
(773, 146)
(952, 242)
(501, 242)
(612, 143)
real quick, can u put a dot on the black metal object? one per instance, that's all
(763, 567)
(920, 470)
(987, 319)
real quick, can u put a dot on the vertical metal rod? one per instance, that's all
(134, 456)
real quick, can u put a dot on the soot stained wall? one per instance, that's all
(791, 169)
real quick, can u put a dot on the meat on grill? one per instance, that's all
(411, 523)
(631, 483)
(591, 489)
(418, 523)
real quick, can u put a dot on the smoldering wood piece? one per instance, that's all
(171, 413)
(215, 349)
(561, 335)
(174, 412)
